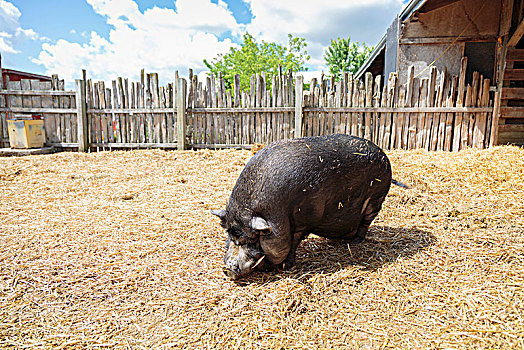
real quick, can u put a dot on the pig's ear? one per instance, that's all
(261, 225)
(222, 215)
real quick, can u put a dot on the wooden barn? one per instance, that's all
(16, 75)
(7, 75)
(441, 32)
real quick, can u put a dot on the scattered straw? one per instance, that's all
(119, 249)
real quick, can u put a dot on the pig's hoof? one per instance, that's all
(357, 240)
(288, 263)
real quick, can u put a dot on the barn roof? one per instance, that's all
(25, 75)
(410, 9)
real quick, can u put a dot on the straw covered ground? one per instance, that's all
(118, 249)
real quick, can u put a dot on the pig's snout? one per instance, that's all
(228, 272)
(233, 270)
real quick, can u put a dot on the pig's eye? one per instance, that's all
(235, 232)
(240, 237)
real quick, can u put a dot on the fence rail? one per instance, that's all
(437, 113)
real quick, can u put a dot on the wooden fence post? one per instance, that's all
(1, 74)
(181, 113)
(83, 125)
(493, 140)
(299, 103)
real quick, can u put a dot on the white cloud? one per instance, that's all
(164, 40)
(158, 39)
(10, 29)
(320, 21)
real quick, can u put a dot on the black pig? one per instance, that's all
(332, 186)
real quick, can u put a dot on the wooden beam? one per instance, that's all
(299, 112)
(515, 55)
(515, 38)
(38, 110)
(37, 93)
(446, 40)
(134, 145)
(1, 74)
(220, 145)
(243, 110)
(181, 113)
(512, 134)
(493, 139)
(505, 17)
(398, 109)
(512, 112)
(83, 125)
(514, 74)
(512, 93)
(436, 4)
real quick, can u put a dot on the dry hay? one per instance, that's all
(118, 249)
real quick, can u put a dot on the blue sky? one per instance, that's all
(111, 38)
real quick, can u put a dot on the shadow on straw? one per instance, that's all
(383, 245)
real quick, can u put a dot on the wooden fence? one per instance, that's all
(132, 115)
(58, 107)
(438, 113)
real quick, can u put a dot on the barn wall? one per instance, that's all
(427, 34)
(450, 21)
(420, 55)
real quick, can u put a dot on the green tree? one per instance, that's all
(252, 57)
(344, 56)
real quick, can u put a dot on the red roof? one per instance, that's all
(16, 75)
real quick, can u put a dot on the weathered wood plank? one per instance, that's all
(368, 103)
(299, 116)
(517, 35)
(263, 101)
(181, 110)
(408, 102)
(136, 145)
(421, 122)
(376, 104)
(337, 123)
(446, 86)
(4, 134)
(413, 117)
(474, 100)
(116, 117)
(155, 100)
(514, 74)
(83, 140)
(398, 122)
(40, 110)
(511, 134)
(392, 95)
(465, 119)
(57, 137)
(237, 104)
(512, 93)
(430, 103)
(436, 117)
(49, 120)
(515, 54)
(511, 112)
(382, 117)
(479, 133)
(37, 92)
(505, 18)
(361, 103)
(457, 129)
(450, 101)
(69, 121)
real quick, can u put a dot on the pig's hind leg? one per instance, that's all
(370, 210)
